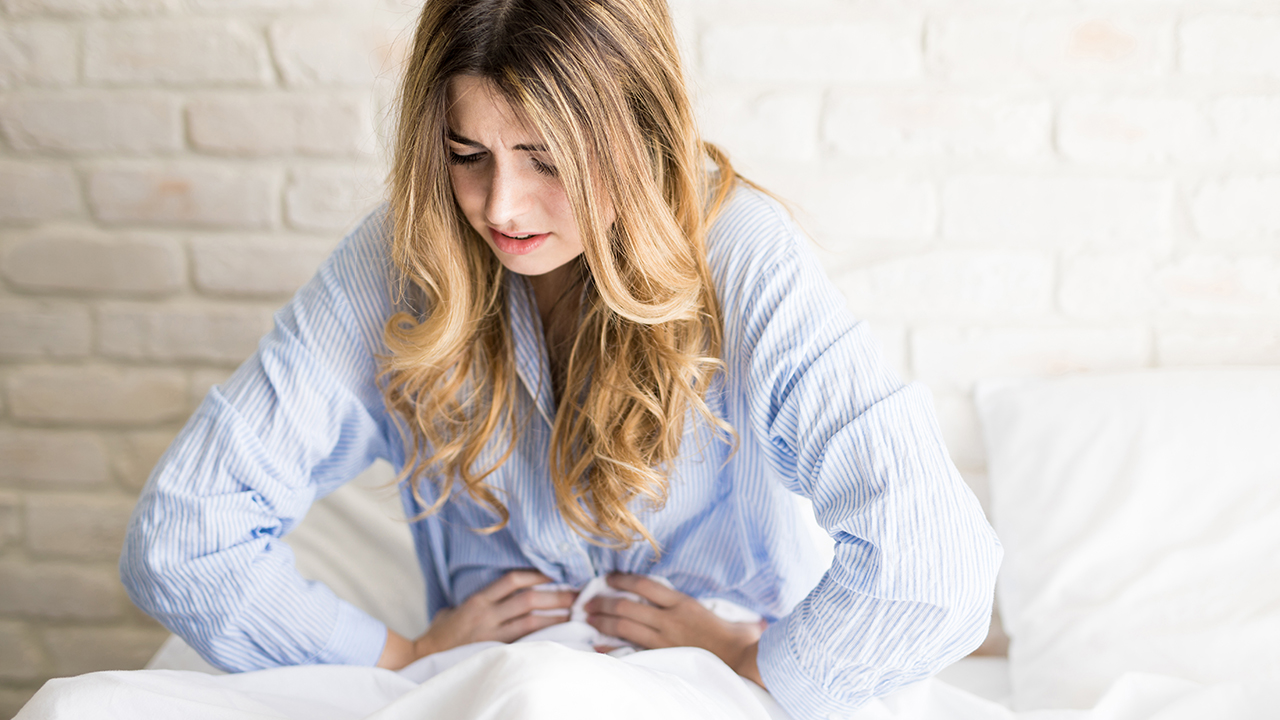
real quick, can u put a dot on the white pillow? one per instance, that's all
(1140, 515)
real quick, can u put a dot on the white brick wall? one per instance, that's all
(1001, 188)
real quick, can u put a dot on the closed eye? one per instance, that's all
(467, 159)
(544, 168)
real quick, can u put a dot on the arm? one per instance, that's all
(303, 415)
(911, 586)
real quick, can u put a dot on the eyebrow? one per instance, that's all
(455, 137)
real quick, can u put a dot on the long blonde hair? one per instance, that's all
(601, 81)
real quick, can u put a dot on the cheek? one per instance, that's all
(469, 193)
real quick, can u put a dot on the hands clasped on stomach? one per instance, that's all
(511, 608)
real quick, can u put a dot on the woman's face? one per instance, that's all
(505, 183)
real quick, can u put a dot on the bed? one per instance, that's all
(1140, 514)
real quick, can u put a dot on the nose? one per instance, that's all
(507, 199)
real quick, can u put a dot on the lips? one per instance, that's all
(517, 243)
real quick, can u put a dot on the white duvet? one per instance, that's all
(548, 681)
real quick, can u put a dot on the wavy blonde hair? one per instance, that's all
(601, 81)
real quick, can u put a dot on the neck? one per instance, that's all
(550, 288)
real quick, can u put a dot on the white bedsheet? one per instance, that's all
(544, 680)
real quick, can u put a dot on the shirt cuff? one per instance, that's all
(357, 639)
(787, 682)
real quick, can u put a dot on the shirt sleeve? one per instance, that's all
(203, 552)
(911, 586)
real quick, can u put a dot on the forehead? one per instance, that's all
(478, 111)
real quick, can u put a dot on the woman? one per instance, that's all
(594, 351)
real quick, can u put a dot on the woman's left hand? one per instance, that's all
(674, 620)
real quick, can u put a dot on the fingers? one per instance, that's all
(512, 582)
(654, 592)
(629, 630)
(527, 601)
(518, 627)
(624, 608)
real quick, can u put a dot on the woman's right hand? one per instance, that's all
(503, 611)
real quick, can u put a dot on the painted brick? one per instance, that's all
(31, 192)
(14, 698)
(1100, 287)
(868, 51)
(1238, 207)
(86, 527)
(852, 206)
(1058, 211)
(1131, 130)
(52, 458)
(280, 125)
(188, 51)
(122, 124)
(120, 396)
(781, 124)
(891, 335)
(37, 54)
(331, 198)
(20, 657)
(210, 333)
(1245, 128)
(330, 51)
(953, 284)
(10, 519)
(1186, 344)
(1001, 47)
(36, 330)
(951, 359)
(958, 420)
(138, 454)
(256, 266)
(1199, 285)
(86, 7)
(938, 125)
(201, 195)
(236, 7)
(1231, 46)
(60, 591)
(82, 650)
(96, 264)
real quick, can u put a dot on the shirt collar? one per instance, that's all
(532, 364)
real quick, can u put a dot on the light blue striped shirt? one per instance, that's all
(816, 409)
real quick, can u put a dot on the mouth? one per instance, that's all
(517, 243)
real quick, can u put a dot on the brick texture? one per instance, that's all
(52, 458)
(87, 528)
(60, 591)
(176, 52)
(81, 650)
(35, 330)
(30, 192)
(97, 395)
(39, 54)
(78, 262)
(99, 123)
(285, 125)
(240, 266)
(214, 334)
(209, 196)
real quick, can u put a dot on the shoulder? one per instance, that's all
(752, 234)
(366, 249)
(752, 239)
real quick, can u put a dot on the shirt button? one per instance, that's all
(565, 548)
